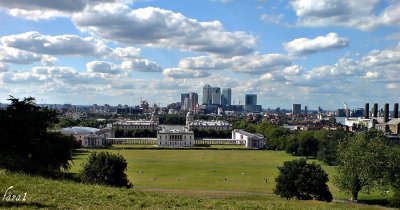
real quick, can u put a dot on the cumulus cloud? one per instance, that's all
(252, 64)
(56, 45)
(16, 56)
(127, 52)
(157, 27)
(269, 18)
(3, 67)
(102, 67)
(358, 14)
(46, 9)
(178, 73)
(142, 65)
(304, 46)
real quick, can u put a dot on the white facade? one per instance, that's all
(175, 138)
(87, 136)
(192, 124)
(126, 125)
(252, 140)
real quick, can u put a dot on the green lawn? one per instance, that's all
(218, 170)
(42, 193)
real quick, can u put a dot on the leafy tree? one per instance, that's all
(302, 180)
(328, 144)
(26, 144)
(308, 145)
(363, 162)
(107, 169)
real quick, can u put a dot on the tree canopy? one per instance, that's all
(363, 163)
(27, 144)
(302, 180)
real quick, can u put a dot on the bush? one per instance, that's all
(107, 169)
(304, 181)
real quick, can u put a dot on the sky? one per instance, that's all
(312, 52)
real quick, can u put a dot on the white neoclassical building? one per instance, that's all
(252, 140)
(175, 138)
(192, 124)
(87, 136)
(126, 125)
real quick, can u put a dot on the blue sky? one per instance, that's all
(313, 52)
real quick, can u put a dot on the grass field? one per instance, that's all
(209, 170)
(42, 193)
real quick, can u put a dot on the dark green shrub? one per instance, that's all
(107, 169)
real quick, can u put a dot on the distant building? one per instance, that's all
(175, 138)
(189, 101)
(208, 91)
(251, 103)
(216, 99)
(226, 97)
(296, 109)
(87, 136)
(252, 140)
(192, 124)
(127, 125)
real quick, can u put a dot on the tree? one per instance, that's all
(26, 144)
(363, 162)
(107, 169)
(308, 145)
(302, 180)
(328, 144)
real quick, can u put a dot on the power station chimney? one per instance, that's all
(366, 111)
(386, 113)
(396, 110)
(375, 110)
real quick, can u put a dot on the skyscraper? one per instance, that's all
(296, 109)
(251, 99)
(250, 103)
(226, 97)
(183, 96)
(194, 100)
(208, 92)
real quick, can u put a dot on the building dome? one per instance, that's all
(189, 114)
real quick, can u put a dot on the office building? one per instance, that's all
(208, 91)
(296, 109)
(216, 99)
(251, 103)
(226, 97)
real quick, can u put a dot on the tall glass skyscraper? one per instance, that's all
(226, 97)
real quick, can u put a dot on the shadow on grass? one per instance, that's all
(25, 204)
(380, 202)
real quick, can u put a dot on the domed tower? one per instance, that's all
(155, 117)
(189, 118)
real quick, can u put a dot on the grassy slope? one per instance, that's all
(207, 170)
(63, 194)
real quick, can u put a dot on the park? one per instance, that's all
(208, 171)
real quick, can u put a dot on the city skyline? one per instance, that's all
(314, 53)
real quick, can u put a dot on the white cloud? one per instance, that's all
(178, 73)
(304, 46)
(269, 18)
(16, 56)
(142, 65)
(47, 9)
(3, 67)
(252, 64)
(358, 14)
(127, 52)
(56, 45)
(157, 27)
(102, 67)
